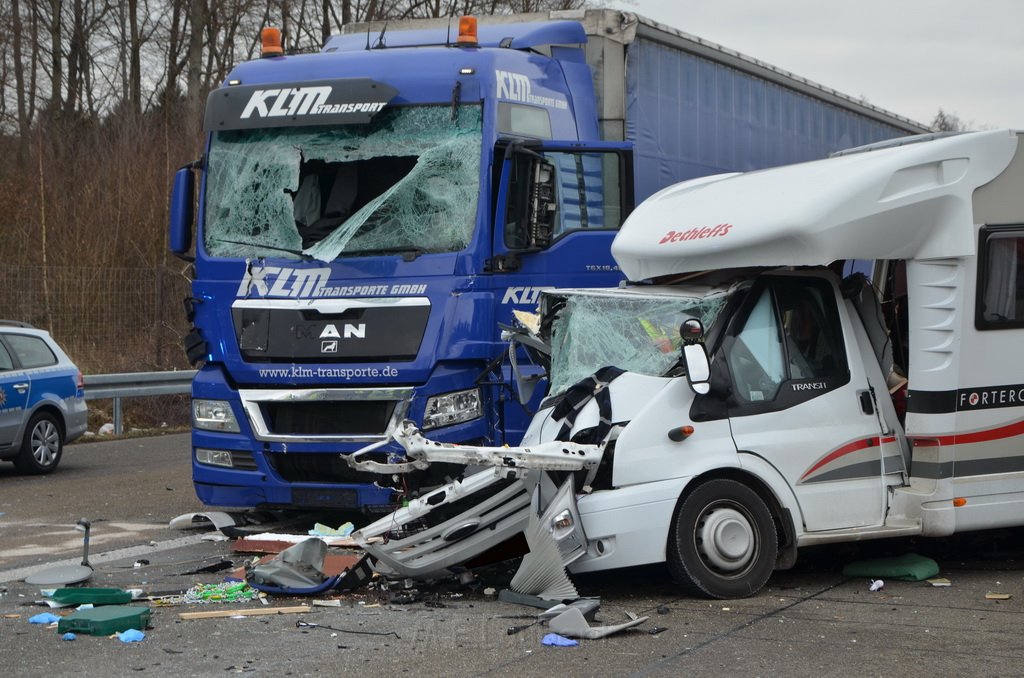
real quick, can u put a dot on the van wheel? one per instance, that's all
(723, 543)
(42, 446)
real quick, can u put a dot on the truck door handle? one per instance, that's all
(20, 388)
(867, 405)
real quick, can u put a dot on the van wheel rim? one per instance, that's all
(726, 539)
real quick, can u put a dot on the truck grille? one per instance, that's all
(322, 414)
(243, 461)
(338, 417)
(312, 467)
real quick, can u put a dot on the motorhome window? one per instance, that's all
(638, 334)
(1001, 284)
(524, 121)
(407, 181)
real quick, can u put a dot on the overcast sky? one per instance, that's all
(908, 56)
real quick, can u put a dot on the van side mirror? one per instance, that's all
(695, 356)
(182, 212)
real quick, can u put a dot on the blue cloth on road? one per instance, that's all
(131, 636)
(43, 618)
(558, 641)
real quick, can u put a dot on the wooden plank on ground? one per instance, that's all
(252, 612)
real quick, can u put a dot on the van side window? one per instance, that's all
(793, 333)
(756, 356)
(814, 348)
(1000, 303)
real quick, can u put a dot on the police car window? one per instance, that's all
(5, 359)
(31, 351)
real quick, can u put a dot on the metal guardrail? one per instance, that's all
(135, 384)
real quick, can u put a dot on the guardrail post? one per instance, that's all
(118, 427)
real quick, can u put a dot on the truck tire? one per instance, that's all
(723, 542)
(42, 446)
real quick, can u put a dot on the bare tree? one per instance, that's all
(947, 122)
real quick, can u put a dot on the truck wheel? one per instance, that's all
(42, 446)
(723, 543)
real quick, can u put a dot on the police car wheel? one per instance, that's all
(42, 446)
(723, 543)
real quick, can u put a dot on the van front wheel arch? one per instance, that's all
(723, 542)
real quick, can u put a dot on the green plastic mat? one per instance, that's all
(103, 621)
(908, 567)
(96, 596)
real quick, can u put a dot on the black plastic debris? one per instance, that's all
(302, 624)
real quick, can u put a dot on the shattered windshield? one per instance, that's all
(638, 334)
(406, 182)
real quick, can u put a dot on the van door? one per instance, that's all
(800, 399)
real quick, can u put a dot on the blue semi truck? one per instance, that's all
(370, 215)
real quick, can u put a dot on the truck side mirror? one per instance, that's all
(182, 212)
(695, 356)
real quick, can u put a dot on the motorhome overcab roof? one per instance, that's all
(909, 201)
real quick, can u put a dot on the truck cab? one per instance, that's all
(367, 217)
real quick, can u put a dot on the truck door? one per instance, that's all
(557, 208)
(800, 399)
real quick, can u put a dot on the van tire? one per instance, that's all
(723, 542)
(42, 445)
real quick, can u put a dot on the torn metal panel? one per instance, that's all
(550, 456)
(542, 572)
(571, 623)
(297, 569)
(497, 511)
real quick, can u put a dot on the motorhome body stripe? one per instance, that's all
(963, 468)
(982, 436)
(965, 399)
(848, 448)
(863, 469)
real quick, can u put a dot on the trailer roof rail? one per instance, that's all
(893, 143)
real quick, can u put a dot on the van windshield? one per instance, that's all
(635, 333)
(405, 182)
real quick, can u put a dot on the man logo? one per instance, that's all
(329, 346)
(348, 331)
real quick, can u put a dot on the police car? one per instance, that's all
(42, 402)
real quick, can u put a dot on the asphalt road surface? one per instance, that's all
(810, 621)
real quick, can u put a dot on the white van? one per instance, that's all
(849, 368)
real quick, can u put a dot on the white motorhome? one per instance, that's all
(855, 373)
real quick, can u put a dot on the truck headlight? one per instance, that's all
(214, 415)
(452, 408)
